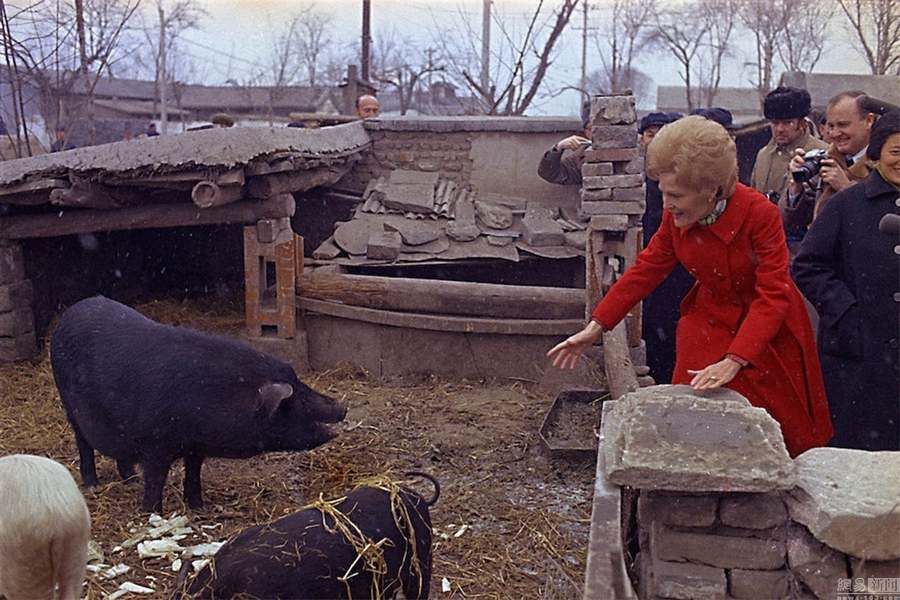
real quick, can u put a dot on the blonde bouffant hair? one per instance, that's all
(699, 152)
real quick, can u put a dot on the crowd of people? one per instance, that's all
(734, 276)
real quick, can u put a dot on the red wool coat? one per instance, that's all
(743, 303)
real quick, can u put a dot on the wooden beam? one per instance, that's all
(182, 179)
(549, 327)
(617, 363)
(207, 194)
(87, 194)
(33, 186)
(74, 221)
(444, 297)
(267, 186)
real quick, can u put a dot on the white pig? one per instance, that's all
(44, 530)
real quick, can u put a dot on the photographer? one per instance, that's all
(561, 164)
(843, 164)
(786, 108)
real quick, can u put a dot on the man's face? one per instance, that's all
(648, 135)
(787, 131)
(847, 128)
(368, 108)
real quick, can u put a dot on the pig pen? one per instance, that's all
(510, 523)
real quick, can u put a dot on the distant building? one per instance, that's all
(744, 103)
(822, 86)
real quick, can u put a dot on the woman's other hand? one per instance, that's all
(566, 354)
(715, 375)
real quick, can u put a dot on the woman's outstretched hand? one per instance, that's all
(715, 375)
(566, 354)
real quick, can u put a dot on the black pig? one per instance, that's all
(145, 393)
(303, 556)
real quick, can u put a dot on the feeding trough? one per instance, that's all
(568, 429)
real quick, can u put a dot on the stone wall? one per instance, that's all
(740, 518)
(493, 154)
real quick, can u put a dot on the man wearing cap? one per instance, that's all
(650, 124)
(786, 108)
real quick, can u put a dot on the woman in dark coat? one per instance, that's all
(850, 271)
(743, 324)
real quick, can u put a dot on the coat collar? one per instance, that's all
(729, 222)
(876, 186)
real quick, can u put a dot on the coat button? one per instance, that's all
(896, 296)
(712, 321)
(893, 343)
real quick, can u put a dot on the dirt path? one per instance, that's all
(509, 519)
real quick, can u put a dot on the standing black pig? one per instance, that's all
(142, 392)
(303, 555)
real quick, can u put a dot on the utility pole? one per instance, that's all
(163, 108)
(584, 30)
(366, 38)
(486, 49)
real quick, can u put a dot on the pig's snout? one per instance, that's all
(327, 410)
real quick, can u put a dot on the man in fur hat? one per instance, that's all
(786, 108)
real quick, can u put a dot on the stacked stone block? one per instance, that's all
(613, 181)
(17, 337)
(711, 524)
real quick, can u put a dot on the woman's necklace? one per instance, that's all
(715, 214)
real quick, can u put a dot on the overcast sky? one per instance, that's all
(236, 38)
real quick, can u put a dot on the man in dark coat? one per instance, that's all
(661, 309)
(849, 270)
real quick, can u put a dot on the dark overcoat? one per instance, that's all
(851, 274)
(744, 303)
(661, 307)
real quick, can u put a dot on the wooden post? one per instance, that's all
(270, 280)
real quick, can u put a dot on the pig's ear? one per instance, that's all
(271, 395)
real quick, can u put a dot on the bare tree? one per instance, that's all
(640, 84)
(164, 28)
(698, 35)
(676, 31)
(521, 59)
(623, 36)
(803, 42)
(766, 20)
(876, 25)
(63, 47)
(718, 18)
(313, 41)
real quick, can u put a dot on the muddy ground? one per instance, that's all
(511, 521)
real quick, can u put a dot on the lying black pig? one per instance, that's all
(145, 393)
(308, 554)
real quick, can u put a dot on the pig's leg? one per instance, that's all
(193, 494)
(125, 468)
(86, 464)
(155, 472)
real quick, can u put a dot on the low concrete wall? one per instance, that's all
(493, 154)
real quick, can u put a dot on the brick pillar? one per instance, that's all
(613, 194)
(270, 278)
(17, 337)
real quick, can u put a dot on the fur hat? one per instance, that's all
(223, 119)
(886, 126)
(654, 119)
(786, 103)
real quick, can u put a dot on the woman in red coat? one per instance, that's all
(743, 324)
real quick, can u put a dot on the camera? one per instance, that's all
(773, 197)
(812, 162)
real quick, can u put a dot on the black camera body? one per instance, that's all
(812, 162)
